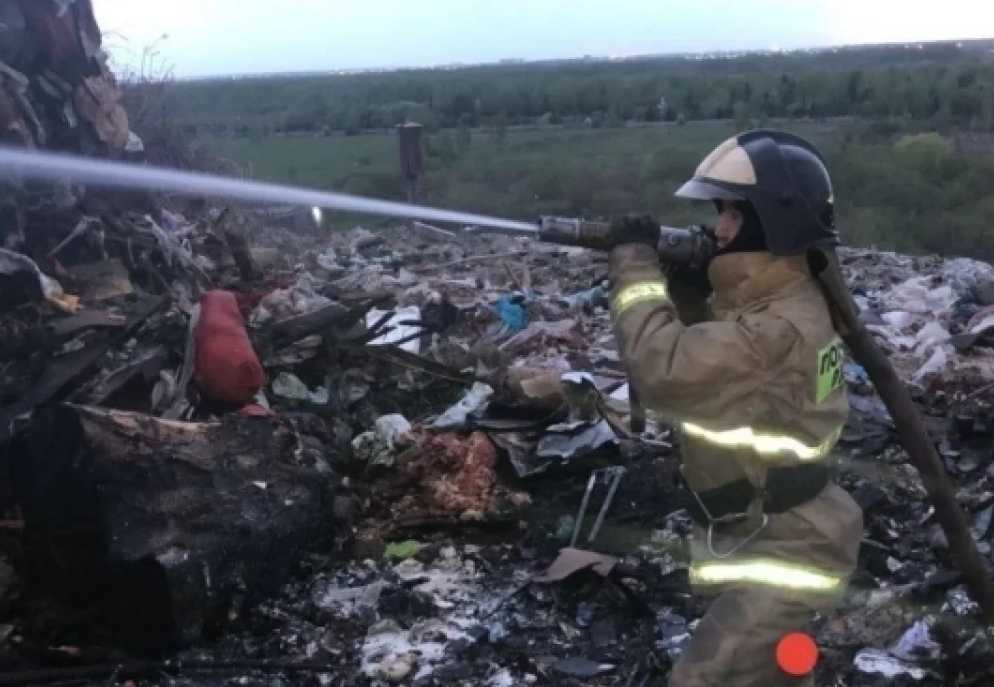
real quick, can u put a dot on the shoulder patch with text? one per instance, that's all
(830, 377)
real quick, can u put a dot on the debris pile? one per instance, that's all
(57, 90)
(381, 479)
(929, 314)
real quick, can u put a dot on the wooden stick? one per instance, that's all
(398, 356)
(292, 329)
(473, 258)
(514, 279)
(138, 669)
(441, 233)
(911, 433)
(238, 245)
(919, 447)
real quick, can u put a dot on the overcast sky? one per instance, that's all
(210, 37)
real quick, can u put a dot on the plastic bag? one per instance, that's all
(227, 367)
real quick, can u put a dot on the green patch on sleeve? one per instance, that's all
(830, 377)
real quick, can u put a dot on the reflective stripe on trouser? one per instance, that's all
(763, 572)
(735, 642)
(764, 444)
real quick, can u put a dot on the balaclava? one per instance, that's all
(751, 237)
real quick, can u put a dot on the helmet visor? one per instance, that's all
(705, 189)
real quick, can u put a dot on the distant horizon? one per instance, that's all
(220, 38)
(597, 58)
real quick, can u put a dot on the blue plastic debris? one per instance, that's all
(597, 296)
(855, 374)
(511, 310)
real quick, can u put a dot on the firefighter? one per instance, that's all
(753, 385)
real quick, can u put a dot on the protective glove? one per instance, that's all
(634, 229)
(692, 281)
(689, 289)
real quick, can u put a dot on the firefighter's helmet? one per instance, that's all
(785, 179)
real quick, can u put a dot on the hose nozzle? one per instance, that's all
(692, 246)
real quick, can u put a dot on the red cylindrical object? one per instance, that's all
(227, 367)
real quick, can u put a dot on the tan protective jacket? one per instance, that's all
(758, 386)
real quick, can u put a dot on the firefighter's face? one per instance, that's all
(729, 222)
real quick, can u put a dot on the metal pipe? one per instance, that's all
(583, 508)
(617, 473)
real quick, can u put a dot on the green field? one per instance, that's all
(909, 192)
(526, 173)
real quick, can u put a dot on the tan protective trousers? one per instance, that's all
(734, 645)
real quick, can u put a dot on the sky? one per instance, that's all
(220, 37)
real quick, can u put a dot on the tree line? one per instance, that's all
(943, 84)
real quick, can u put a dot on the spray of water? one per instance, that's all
(23, 164)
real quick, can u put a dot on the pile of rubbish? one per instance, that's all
(402, 457)
(56, 90)
(186, 426)
(930, 314)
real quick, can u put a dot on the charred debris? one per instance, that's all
(403, 457)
